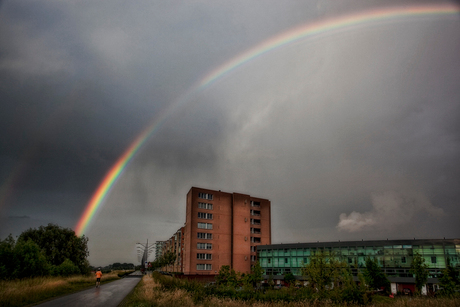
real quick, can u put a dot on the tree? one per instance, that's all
(449, 280)
(59, 244)
(324, 271)
(373, 275)
(7, 259)
(29, 260)
(166, 259)
(419, 268)
(289, 278)
(227, 277)
(66, 268)
(255, 277)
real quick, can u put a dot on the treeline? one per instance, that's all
(166, 259)
(114, 267)
(48, 250)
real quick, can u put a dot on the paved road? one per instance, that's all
(107, 295)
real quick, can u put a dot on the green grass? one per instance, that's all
(150, 293)
(28, 291)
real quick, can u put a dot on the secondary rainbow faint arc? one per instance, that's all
(302, 32)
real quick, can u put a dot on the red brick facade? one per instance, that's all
(223, 229)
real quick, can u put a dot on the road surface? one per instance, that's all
(107, 295)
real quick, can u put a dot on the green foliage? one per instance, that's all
(43, 251)
(450, 280)
(289, 278)
(67, 268)
(373, 275)
(59, 244)
(29, 261)
(325, 271)
(227, 277)
(419, 268)
(7, 259)
(166, 259)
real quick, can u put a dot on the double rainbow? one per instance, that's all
(306, 31)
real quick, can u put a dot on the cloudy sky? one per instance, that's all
(352, 133)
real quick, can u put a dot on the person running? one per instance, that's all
(98, 277)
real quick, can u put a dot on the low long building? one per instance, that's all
(394, 256)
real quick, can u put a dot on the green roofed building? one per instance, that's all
(394, 257)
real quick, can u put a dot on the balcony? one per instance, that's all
(255, 222)
(255, 231)
(255, 212)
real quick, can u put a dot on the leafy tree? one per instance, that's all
(167, 259)
(324, 271)
(66, 268)
(450, 280)
(253, 278)
(59, 244)
(29, 260)
(227, 277)
(257, 273)
(289, 278)
(7, 259)
(373, 275)
(419, 268)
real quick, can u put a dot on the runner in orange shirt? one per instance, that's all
(98, 277)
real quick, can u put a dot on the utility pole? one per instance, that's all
(145, 250)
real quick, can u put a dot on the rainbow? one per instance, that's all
(303, 32)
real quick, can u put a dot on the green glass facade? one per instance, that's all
(394, 256)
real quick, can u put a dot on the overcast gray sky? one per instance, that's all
(352, 134)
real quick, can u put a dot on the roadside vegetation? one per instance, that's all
(153, 291)
(47, 251)
(330, 283)
(27, 291)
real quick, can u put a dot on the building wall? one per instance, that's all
(394, 256)
(231, 230)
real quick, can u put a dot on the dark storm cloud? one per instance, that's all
(341, 133)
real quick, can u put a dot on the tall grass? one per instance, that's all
(149, 292)
(22, 292)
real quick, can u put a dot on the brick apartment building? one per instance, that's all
(220, 229)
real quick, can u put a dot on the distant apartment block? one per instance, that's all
(220, 229)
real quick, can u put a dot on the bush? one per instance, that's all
(67, 268)
(29, 261)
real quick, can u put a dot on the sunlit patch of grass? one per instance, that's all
(27, 291)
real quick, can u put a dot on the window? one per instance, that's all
(202, 215)
(255, 240)
(205, 196)
(205, 225)
(205, 206)
(403, 259)
(253, 258)
(255, 230)
(204, 256)
(253, 249)
(269, 260)
(204, 235)
(433, 259)
(204, 245)
(255, 204)
(255, 222)
(255, 212)
(285, 260)
(204, 267)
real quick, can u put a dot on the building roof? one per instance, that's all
(362, 243)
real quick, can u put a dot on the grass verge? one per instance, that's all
(28, 291)
(149, 293)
